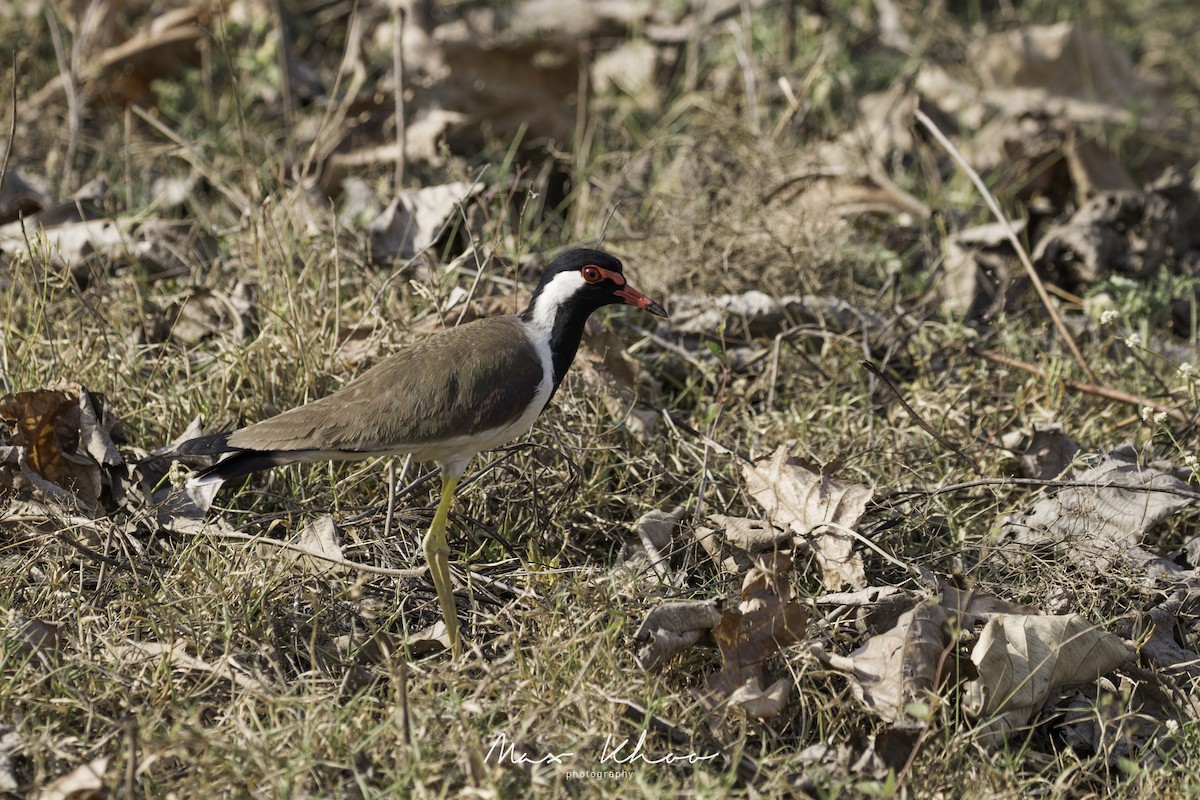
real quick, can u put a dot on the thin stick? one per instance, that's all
(1107, 393)
(398, 97)
(958, 157)
(415, 572)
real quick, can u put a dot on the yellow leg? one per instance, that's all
(437, 555)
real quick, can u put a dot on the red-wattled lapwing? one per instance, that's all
(444, 399)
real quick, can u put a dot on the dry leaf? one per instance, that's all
(766, 620)
(671, 628)
(815, 507)
(149, 654)
(1103, 518)
(901, 665)
(1023, 659)
(85, 782)
(11, 747)
(752, 535)
(416, 218)
(977, 270)
(319, 537)
(1044, 454)
(1063, 70)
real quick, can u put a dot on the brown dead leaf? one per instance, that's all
(671, 628)
(766, 620)
(60, 442)
(85, 782)
(901, 665)
(1023, 659)
(815, 507)
(46, 423)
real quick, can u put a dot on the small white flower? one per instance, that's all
(1147, 412)
(1109, 316)
(1191, 462)
(1160, 417)
(1133, 340)
(1186, 371)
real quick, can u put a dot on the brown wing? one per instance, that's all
(468, 379)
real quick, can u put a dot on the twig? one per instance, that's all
(1119, 396)
(398, 97)
(1040, 483)
(741, 46)
(1012, 238)
(415, 572)
(68, 80)
(925, 426)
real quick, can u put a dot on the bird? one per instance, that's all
(443, 399)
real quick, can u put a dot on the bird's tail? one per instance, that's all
(239, 462)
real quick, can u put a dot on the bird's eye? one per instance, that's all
(592, 274)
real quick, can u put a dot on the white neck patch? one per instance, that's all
(560, 288)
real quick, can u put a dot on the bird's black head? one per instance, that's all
(573, 286)
(584, 280)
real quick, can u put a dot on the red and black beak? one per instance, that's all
(633, 297)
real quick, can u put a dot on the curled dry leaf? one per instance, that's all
(18, 198)
(902, 664)
(816, 507)
(752, 535)
(1022, 659)
(1045, 453)
(767, 619)
(977, 274)
(671, 628)
(58, 442)
(416, 218)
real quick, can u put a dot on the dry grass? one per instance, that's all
(293, 682)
